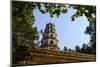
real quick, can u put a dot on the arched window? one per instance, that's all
(51, 35)
(51, 42)
(51, 30)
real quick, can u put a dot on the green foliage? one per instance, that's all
(77, 48)
(23, 19)
(53, 9)
(85, 49)
(71, 50)
(65, 49)
(88, 11)
(91, 30)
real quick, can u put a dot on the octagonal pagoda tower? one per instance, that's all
(49, 40)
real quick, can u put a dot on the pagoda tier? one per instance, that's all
(49, 40)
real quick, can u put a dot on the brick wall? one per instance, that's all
(44, 56)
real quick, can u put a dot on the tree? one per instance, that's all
(91, 30)
(84, 48)
(77, 48)
(90, 13)
(65, 49)
(23, 19)
(70, 50)
(22, 22)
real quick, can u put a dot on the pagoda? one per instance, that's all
(49, 40)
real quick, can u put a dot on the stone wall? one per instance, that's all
(44, 56)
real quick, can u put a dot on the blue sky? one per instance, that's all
(69, 33)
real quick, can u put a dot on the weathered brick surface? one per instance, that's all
(44, 56)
